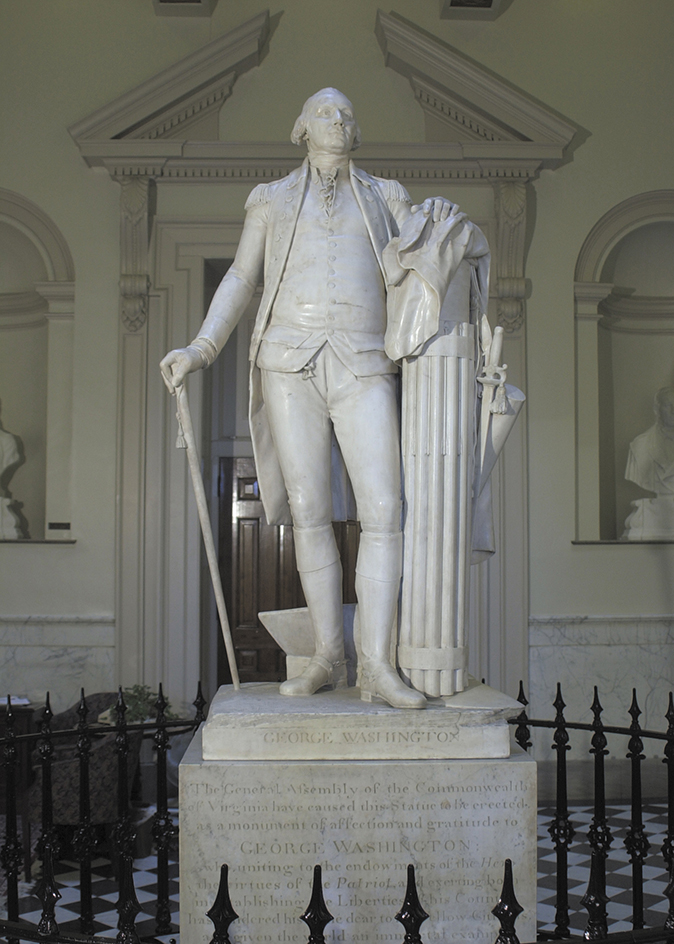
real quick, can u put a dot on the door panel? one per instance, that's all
(259, 572)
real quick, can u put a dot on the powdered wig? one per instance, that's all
(299, 132)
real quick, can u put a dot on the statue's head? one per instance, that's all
(327, 122)
(663, 407)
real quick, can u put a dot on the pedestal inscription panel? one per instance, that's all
(363, 822)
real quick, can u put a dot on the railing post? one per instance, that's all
(47, 846)
(317, 916)
(636, 843)
(10, 853)
(561, 830)
(124, 835)
(523, 732)
(163, 829)
(83, 840)
(221, 912)
(508, 908)
(669, 894)
(668, 844)
(594, 900)
(411, 915)
(599, 834)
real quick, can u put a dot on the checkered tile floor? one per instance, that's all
(618, 869)
(105, 894)
(618, 872)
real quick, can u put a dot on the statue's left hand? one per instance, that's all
(436, 207)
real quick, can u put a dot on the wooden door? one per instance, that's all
(259, 572)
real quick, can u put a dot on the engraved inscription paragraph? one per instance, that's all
(363, 822)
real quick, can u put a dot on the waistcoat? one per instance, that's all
(332, 290)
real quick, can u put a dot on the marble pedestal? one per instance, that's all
(272, 819)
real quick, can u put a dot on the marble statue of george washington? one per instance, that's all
(320, 374)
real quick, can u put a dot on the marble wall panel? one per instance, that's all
(617, 654)
(59, 655)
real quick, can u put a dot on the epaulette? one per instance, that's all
(258, 196)
(395, 191)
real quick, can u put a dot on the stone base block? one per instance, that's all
(256, 723)
(363, 822)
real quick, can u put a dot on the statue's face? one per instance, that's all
(331, 126)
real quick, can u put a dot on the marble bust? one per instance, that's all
(650, 465)
(355, 280)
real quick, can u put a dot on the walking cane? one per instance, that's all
(186, 441)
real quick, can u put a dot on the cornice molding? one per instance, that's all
(172, 99)
(638, 314)
(182, 161)
(21, 310)
(587, 296)
(460, 91)
(60, 297)
(464, 121)
(179, 119)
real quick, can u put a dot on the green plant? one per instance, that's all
(141, 704)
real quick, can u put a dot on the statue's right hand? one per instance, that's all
(178, 364)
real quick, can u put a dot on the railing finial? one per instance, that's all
(317, 916)
(508, 908)
(221, 912)
(411, 915)
(199, 704)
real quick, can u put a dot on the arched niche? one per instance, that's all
(36, 327)
(21, 263)
(624, 310)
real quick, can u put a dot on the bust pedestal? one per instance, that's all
(273, 786)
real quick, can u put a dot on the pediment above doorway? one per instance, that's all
(478, 126)
(467, 104)
(177, 104)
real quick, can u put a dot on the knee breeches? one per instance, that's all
(303, 411)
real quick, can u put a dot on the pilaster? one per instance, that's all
(134, 283)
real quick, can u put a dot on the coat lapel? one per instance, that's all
(375, 212)
(284, 212)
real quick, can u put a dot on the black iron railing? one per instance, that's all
(411, 914)
(599, 836)
(84, 846)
